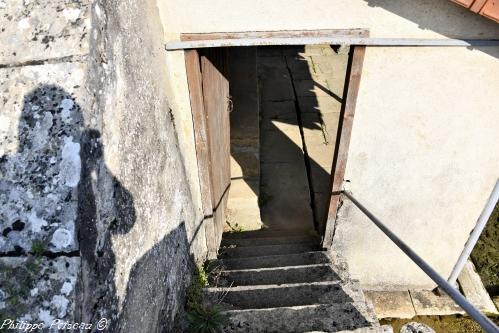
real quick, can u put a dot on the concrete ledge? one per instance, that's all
(410, 303)
(427, 303)
(474, 291)
(391, 304)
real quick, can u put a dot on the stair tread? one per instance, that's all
(272, 240)
(278, 260)
(287, 285)
(375, 329)
(277, 275)
(308, 318)
(291, 294)
(267, 233)
(257, 251)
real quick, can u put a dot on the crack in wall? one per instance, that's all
(71, 58)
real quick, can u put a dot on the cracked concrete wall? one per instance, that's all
(97, 218)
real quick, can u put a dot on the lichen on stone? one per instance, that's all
(38, 199)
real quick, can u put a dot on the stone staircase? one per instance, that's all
(279, 281)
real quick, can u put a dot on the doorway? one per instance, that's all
(272, 126)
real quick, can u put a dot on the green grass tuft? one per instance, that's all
(37, 248)
(206, 320)
(202, 318)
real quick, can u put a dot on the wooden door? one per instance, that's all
(214, 71)
(207, 75)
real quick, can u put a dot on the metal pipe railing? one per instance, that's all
(475, 234)
(474, 313)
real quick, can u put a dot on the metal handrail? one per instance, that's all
(473, 312)
(475, 234)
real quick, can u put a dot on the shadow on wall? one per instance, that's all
(60, 163)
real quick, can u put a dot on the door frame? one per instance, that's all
(347, 113)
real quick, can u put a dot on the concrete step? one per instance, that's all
(264, 250)
(257, 241)
(278, 275)
(292, 294)
(268, 261)
(263, 233)
(299, 319)
(376, 329)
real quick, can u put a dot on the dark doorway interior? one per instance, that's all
(286, 104)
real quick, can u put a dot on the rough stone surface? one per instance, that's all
(91, 188)
(473, 289)
(33, 30)
(40, 164)
(391, 304)
(35, 289)
(147, 246)
(427, 303)
(414, 327)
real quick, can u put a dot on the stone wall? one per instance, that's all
(96, 219)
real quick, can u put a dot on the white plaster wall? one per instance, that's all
(423, 158)
(384, 18)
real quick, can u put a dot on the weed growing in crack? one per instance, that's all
(234, 227)
(203, 318)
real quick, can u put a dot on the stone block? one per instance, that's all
(41, 124)
(282, 145)
(277, 88)
(242, 205)
(331, 63)
(285, 196)
(243, 215)
(244, 189)
(427, 303)
(317, 87)
(38, 30)
(36, 289)
(301, 67)
(319, 104)
(321, 204)
(474, 290)
(283, 110)
(319, 148)
(244, 163)
(289, 50)
(269, 51)
(391, 304)
(318, 50)
(244, 118)
(311, 121)
(269, 65)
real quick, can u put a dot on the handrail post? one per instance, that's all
(475, 235)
